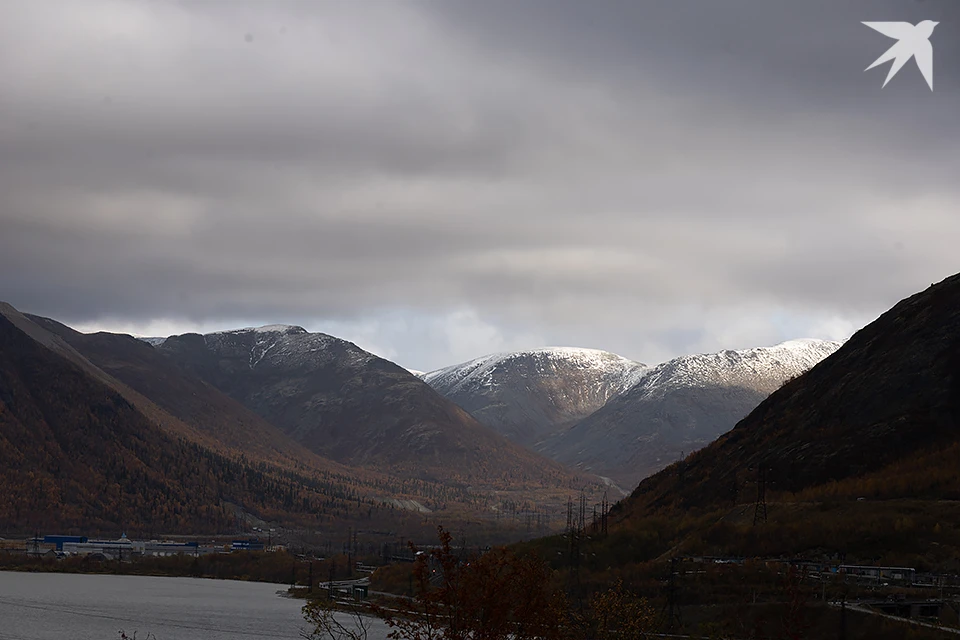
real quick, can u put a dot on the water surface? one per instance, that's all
(54, 606)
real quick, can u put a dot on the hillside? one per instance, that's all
(679, 406)
(76, 454)
(528, 395)
(879, 418)
(190, 405)
(348, 405)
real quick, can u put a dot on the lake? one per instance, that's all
(55, 606)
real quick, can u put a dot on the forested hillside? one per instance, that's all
(75, 454)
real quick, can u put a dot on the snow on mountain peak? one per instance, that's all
(279, 328)
(282, 345)
(754, 368)
(481, 372)
(267, 328)
(526, 395)
(594, 358)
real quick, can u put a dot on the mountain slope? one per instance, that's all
(349, 405)
(209, 415)
(678, 406)
(528, 395)
(885, 408)
(74, 453)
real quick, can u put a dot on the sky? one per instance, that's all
(438, 180)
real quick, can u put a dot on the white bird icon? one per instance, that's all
(913, 42)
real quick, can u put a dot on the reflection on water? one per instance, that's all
(50, 606)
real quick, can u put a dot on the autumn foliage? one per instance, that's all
(498, 594)
(504, 594)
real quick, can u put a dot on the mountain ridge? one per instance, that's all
(679, 406)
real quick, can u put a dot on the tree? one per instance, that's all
(617, 613)
(492, 596)
(320, 615)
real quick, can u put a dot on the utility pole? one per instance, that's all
(349, 553)
(330, 579)
(575, 565)
(673, 607)
(760, 509)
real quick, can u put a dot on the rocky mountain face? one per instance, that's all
(679, 406)
(529, 395)
(882, 412)
(353, 407)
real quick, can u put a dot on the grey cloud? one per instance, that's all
(647, 177)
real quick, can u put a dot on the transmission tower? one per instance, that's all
(604, 510)
(574, 562)
(672, 606)
(582, 525)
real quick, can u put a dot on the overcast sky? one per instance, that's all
(440, 180)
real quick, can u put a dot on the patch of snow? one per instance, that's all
(408, 505)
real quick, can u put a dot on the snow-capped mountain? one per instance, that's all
(679, 406)
(527, 395)
(349, 405)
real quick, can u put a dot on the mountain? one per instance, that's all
(679, 406)
(528, 395)
(75, 453)
(180, 401)
(880, 417)
(355, 408)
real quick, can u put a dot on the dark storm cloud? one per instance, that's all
(649, 177)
